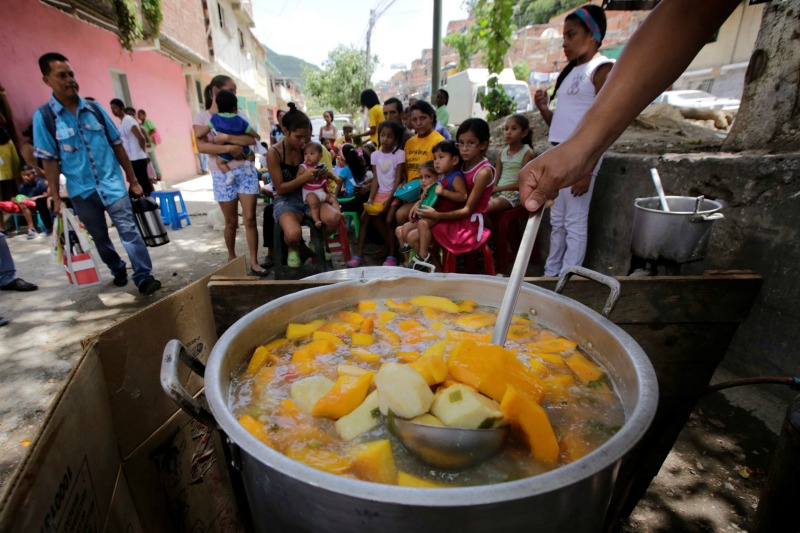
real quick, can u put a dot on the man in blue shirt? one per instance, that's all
(88, 150)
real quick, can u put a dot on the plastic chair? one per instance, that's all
(340, 240)
(507, 233)
(37, 221)
(170, 212)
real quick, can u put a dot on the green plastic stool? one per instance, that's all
(352, 215)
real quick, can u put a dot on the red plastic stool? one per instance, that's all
(507, 230)
(341, 241)
(470, 259)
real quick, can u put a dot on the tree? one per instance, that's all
(541, 11)
(493, 34)
(769, 116)
(463, 44)
(340, 82)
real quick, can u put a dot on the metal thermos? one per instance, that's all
(148, 220)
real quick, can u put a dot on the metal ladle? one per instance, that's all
(459, 448)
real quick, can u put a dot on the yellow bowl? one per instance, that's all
(373, 209)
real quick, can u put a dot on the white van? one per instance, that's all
(466, 89)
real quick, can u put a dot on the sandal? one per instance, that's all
(391, 261)
(405, 248)
(293, 260)
(354, 262)
(259, 273)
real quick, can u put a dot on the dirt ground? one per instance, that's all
(699, 487)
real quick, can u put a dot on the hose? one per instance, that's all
(792, 382)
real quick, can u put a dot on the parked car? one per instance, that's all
(697, 99)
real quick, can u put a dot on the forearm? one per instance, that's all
(205, 147)
(454, 196)
(637, 78)
(125, 163)
(547, 114)
(52, 170)
(240, 140)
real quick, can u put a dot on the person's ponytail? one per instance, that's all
(564, 73)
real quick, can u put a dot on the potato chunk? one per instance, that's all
(361, 419)
(307, 392)
(402, 390)
(461, 406)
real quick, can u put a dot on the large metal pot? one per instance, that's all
(679, 235)
(286, 495)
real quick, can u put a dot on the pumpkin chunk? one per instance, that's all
(532, 419)
(374, 461)
(346, 394)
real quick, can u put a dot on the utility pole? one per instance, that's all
(374, 15)
(436, 67)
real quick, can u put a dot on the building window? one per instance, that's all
(706, 85)
(221, 13)
(241, 39)
(119, 81)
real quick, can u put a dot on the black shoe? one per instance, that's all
(121, 278)
(149, 286)
(268, 263)
(4, 321)
(259, 273)
(19, 284)
(405, 249)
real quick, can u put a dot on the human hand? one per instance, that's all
(540, 99)
(56, 205)
(581, 186)
(439, 189)
(136, 189)
(221, 138)
(426, 211)
(236, 151)
(561, 166)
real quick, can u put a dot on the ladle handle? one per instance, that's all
(608, 281)
(174, 353)
(659, 189)
(515, 280)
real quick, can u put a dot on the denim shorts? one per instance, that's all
(246, 182)
(292, 203)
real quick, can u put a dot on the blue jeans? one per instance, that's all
(7, 271)
(90, 211)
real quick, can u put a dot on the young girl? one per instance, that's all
(450, 193)
(389, 167)
(515, 155)
(583, 77)
(461, 230)
(328, 131)
(315, 191)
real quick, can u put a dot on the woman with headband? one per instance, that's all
(576, 88)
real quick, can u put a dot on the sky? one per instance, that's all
(309, 29)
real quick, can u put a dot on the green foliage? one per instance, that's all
(541, 11)
(463, 44)
(340, 82)
(521, 71)
(151, 12)
(496, 101)
(494, 29)
(128, 22)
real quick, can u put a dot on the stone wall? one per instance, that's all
(760, 232)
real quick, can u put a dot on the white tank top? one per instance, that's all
(574, 98)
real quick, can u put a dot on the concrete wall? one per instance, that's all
(735, 39)
(29, 29)
(760, 232)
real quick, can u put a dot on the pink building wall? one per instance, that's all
(28, 29)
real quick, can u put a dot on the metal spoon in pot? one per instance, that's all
(459, 448)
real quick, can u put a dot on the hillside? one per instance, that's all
(289, 66)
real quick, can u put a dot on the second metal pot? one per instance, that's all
(678, 236)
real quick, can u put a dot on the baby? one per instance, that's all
(315, 190)
(227, 121)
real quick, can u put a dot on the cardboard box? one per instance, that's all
(115, 453)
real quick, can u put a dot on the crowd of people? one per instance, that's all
(409, 180)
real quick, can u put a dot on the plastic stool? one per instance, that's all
(470, 259)
(170, 214)
(37, 220)
(507, 232)
(352, 216)
(341, 241)
(282, 270)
